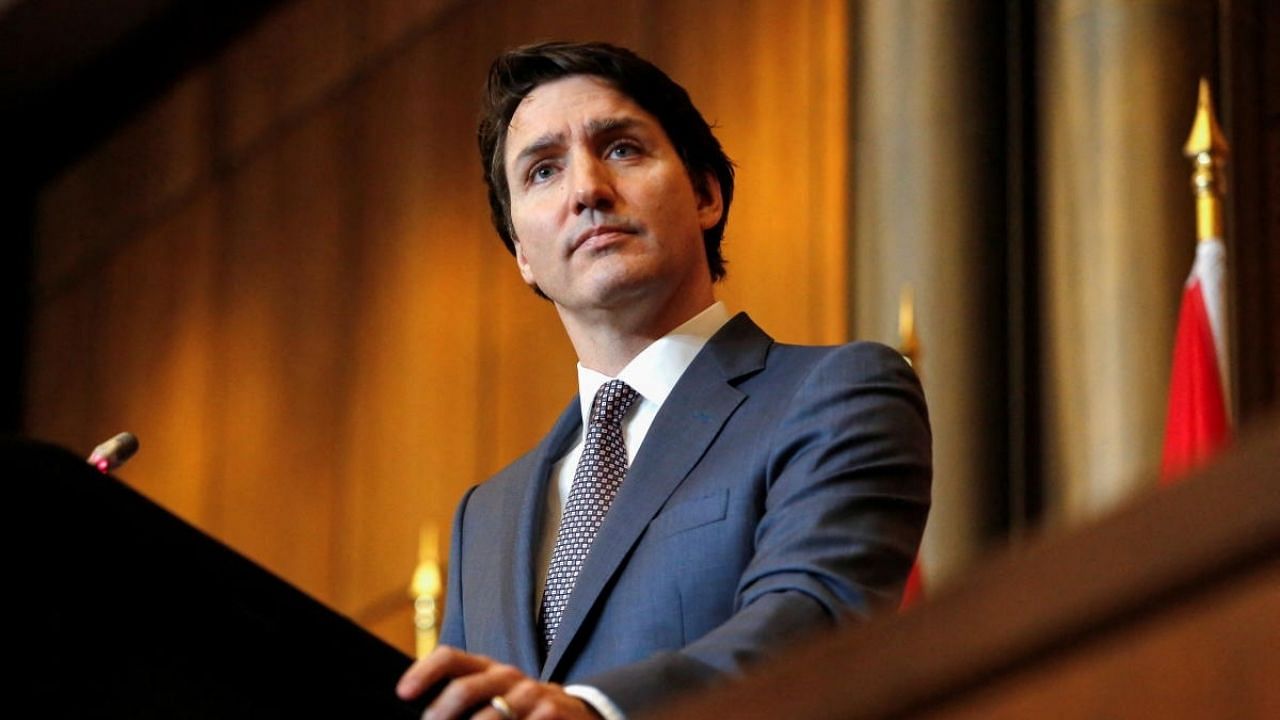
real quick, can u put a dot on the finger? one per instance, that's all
(440, 664)
(488, 713)
(520, 697)
(533, 700)
(524, 695)
(469, 694)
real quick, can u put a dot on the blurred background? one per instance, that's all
(255, 234)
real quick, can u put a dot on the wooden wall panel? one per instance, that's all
(286, 322)
(286, 67)
(532, 367)
(772, 78)
(411, 436)
(61, 405)
(122, 334)
(119, 188)
(512, 23)
(386, 26)
(316, 333)
(158, 334)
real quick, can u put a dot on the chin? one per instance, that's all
(627, 278)
(611, 294)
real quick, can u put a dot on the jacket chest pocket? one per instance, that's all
(690, 514)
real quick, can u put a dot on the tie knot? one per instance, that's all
(613, 399)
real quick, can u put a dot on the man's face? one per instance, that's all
(603, 211)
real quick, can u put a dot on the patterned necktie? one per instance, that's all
(595, 483)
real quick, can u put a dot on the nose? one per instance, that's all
(592, 185)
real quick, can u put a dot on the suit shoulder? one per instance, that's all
(516, 472)
(861, 360)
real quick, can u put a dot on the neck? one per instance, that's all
(606, 341)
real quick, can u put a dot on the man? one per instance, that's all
(713, 494)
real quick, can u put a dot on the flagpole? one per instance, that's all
(1207, 149)
(1198, 423)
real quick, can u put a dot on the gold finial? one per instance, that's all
(427, 589)
(1207, 148)
(1206, 135)
(908, 341)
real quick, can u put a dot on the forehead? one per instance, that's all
(567, 106)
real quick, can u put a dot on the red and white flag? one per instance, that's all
(1199, 420)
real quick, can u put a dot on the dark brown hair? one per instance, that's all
(517, 72)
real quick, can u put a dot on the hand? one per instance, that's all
(470, 681)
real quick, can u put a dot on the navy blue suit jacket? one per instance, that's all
(779, 489)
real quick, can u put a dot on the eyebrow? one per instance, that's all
(595, 128)
(605, 126)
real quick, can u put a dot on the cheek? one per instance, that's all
(536, 235)
(676, 212)
(677, 198)
(534, 218)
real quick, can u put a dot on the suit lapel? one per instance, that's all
(532, 498)
(693, 415)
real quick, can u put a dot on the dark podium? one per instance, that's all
(126, 611)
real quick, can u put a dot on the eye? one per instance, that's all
(623, 150)
(542, 172)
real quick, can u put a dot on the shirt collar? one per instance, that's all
(654, 372)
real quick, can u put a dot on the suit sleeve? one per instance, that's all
(847, 481)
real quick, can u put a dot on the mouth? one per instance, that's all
(601, 236)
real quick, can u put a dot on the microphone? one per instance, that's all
(113, 453)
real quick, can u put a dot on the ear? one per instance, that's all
(522, 262)
(710, 202)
